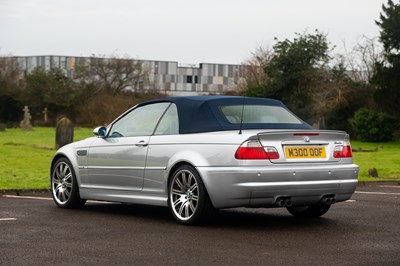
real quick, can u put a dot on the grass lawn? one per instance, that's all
(25, 157)
(386, 160)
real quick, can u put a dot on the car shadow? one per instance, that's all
(136, 211)
(263, 218)
(238, 218)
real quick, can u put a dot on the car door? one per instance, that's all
(118, 160)
(163, 144)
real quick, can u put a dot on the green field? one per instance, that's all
(386, 160)
(25, 157)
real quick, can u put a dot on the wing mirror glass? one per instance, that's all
(100, 132)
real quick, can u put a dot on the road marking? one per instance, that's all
(8, 219)
(26, 197)
(390, 186)
(42, 198)
(350, 200)
(377, 193)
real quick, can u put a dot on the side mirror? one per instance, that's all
(100, 132)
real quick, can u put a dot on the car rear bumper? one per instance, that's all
(261, 186)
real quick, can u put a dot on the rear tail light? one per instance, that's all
(343, 151)
(253, 150)
(272, 153)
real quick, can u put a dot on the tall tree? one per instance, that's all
(291, 72)
(11, 87)
(387, 72)
(51, 89)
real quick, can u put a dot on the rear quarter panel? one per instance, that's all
(200, 150)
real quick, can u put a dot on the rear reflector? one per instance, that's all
(253, 150)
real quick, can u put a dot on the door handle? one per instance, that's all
(141, 143)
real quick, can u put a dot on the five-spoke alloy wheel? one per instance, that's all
(64, 187)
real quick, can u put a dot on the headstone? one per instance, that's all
(64, 132)
(45, 115)
(26, 122)
(3, 127)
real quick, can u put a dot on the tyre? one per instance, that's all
(187, 197)
(64, 187)
(310, 211)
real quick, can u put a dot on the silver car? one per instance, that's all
(203, 153)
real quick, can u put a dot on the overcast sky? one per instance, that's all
(192, 32)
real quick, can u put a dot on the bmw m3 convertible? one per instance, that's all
(202, 153)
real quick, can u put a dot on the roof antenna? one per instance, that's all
(241, 117)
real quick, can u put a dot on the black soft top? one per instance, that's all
(202, 113)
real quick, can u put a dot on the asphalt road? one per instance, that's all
(362, 231)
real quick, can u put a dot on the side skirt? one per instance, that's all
(123, 196)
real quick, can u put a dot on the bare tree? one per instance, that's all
(253, 68)
(328, 94)
(362, 59)
(112, 75)
(11, 75)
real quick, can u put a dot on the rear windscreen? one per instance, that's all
(258, 114)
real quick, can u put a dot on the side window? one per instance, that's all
(169, 123)
(139, 122)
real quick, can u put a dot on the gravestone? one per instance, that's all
(64, 132)
(45, 115)
(26, 122)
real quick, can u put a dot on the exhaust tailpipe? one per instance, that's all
(328, 200)
(283, 202)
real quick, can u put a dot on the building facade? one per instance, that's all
(165, 76)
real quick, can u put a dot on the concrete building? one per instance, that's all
(165, 76)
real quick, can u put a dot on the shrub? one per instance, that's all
(373, 126)
(103, 108)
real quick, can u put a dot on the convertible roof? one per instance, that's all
(202, 114)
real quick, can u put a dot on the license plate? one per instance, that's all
(300, 152)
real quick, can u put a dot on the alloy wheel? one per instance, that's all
(62, 182)
(184, 194)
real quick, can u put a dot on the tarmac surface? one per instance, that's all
(362, 231)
